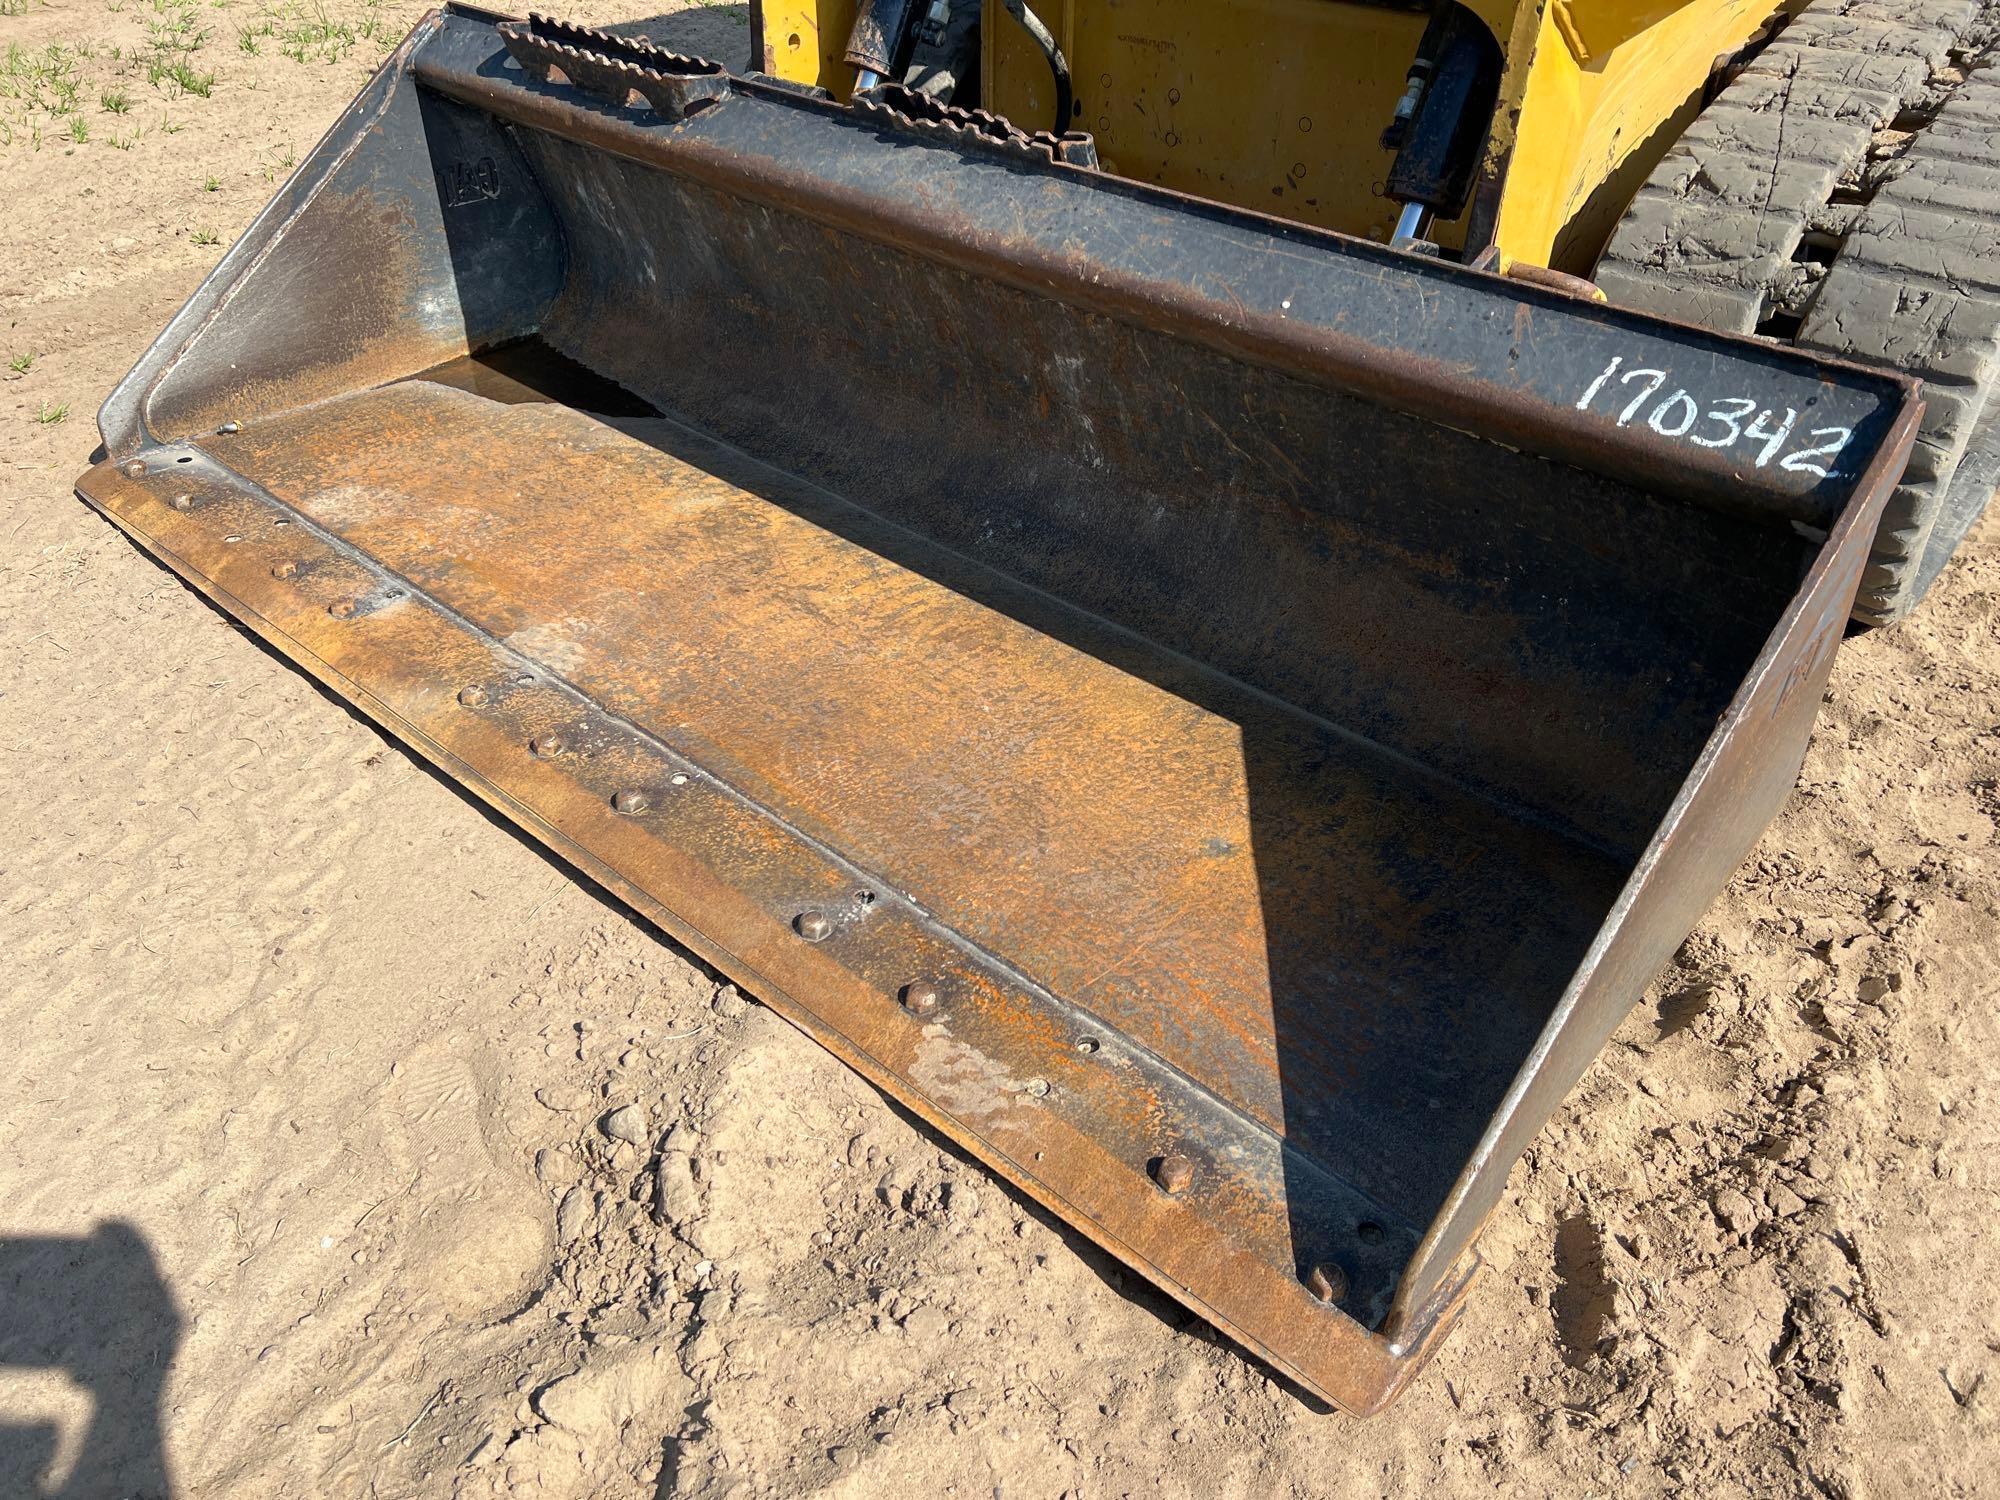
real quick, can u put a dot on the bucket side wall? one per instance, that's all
(427, 236)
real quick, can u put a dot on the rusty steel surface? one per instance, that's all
(1219, 719)
(1039, 1087)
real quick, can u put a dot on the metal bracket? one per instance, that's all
(615, 69)
(907, 110)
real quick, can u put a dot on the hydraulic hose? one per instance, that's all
(1045, 39)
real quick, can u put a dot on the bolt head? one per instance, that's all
(472, 696)
(920, 997)
(133, 468)
(341, 609)
(1174, 1173)
(813, 926)
(230, 427)
(547, 746)
(182, 502)
(630, 801)
(1327, 1282)
(285, 570)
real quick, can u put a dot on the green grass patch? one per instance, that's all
(207, 236)
(114, 102)
(20, 364)
(308, 34)
(174, 34)
(178, 77)
(49, 415)
(42, 80)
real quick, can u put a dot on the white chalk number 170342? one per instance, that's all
(1722, 423)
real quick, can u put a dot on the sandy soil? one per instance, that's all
(303, 1189)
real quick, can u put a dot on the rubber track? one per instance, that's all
(1845, 189)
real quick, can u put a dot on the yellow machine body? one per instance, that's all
(1280, 105)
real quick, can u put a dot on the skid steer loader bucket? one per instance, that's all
(1219, 718)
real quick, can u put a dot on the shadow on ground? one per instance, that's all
(95, 1313)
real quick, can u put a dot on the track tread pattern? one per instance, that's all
(1871, 131)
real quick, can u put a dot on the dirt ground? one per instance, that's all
(303, 1189)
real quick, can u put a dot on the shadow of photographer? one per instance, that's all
(93, 1313)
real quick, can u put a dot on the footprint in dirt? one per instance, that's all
(472, 1230)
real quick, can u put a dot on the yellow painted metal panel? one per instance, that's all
(803, 41)
(1612, 83)
(1276, 105)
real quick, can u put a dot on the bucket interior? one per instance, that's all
(1301, 742)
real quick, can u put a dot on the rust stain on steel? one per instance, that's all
(1058, 1120)
(950, 745)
